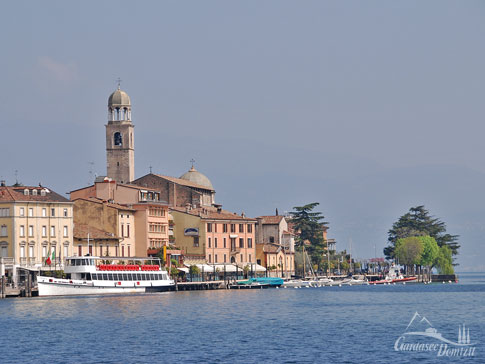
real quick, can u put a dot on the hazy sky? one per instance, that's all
(368, 107)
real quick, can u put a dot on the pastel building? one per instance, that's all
(216, 235)
(151, 228)
(34, 222)
(102, 228)
(275, 244)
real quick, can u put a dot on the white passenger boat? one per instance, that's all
(88, 275)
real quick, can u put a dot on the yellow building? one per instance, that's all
(278, 260)
(34, 222)
(103, 228)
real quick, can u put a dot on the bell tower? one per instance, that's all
(120, 147)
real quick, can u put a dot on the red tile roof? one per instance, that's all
(212, 213)
(183, 182)
(109, 204)
(10, 193)
(271, 220)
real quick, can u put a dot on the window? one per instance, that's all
(31, 212)
(241, 228)
(209, 227)
(209, 240)
(44, 251)
(4, 251)
(22, 230)
(80, 250)
(129, 251)
(65, 212)
(233, 243)
(271, 239)
(44, 231)
(65, 232)
(241, 242)
(53, 212)
(34, 192)
(3, 230)
(118, 139)
(22, 211)
(215, 228)
(122, 250)
(209, 258)
(31, 249)
(22, 251)
(224, 228)
(215, 258)
(4, 212)
(241, 258)
(53, 231)
(250, 228)
(127, 230)
(66, 251)
(250, 243)
(224, 258)
(196, 241)
(44, 212)
(224, 242)
(215, 243)
(31, 230)
(122, 230)
(233, 228)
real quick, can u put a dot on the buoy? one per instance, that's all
(340, 285)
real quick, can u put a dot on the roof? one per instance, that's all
(109, 204)
(212, 213)
(81, 232)
(270, 220)
(119, 98)
(10, 193)
(184, 182)
(196, 177)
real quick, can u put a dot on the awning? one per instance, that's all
(229, 267)
(256, 267)
(186, 270)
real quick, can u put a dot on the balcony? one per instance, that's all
(7, 261)
(235, 250)
(27, 262)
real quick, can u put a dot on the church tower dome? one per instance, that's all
(120, 147)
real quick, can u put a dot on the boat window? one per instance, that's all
(88, 276)
(164, 276)
(91, 261)
(105, 276)
(138, 276)
(152, 276)
(125, 276)
(110, 276)
(95, 276)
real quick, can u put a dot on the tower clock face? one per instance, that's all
(118, 139)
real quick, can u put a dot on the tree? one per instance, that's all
(444, 261)
(418, 222)
(309, 226)
(408, 251)
(430, 251)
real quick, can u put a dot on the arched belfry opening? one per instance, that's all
(120, 148)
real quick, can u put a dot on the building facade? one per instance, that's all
(35, 223)
(215, 234)
(151, 228)
(104, 229)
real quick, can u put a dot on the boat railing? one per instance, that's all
(129, 267)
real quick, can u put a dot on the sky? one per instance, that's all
(368, 108)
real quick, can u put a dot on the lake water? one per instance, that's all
(358, 324)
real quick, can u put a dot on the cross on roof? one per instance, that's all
(118, 80)
(192, 161)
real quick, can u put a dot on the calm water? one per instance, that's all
(322, 325)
